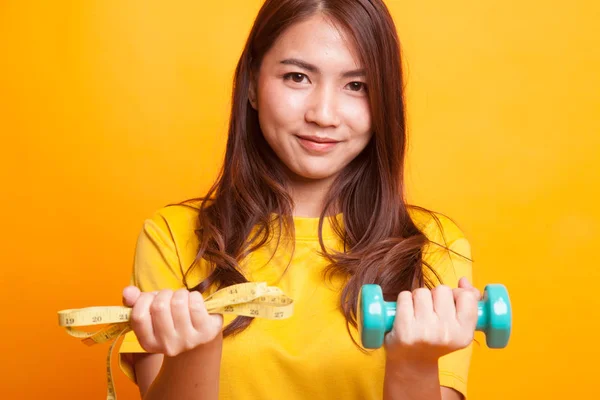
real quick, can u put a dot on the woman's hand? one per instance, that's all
(432, 323)
(170, 322)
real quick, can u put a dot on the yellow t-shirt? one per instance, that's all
(309, 355)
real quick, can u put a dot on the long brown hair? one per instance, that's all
(381, 243)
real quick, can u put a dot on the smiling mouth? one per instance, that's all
(317, 145)
(317, 139)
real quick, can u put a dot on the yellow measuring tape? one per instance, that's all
(252, 299)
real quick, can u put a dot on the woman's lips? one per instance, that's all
(317, 144)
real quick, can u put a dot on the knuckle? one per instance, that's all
(179, 298)
(404, 295)
(158, 306)
(474, 296)
(197, 304)
(468, 294)
(422, 292)
(137, 316)
(469, 304)
(443, 289)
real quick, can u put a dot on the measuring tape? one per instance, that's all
(251, 299)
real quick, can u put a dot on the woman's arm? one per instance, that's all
(177, 327)
(428, 325)
(193, 374)
(405, 382)
(146, 367)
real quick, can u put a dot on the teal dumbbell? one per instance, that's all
(376, 316)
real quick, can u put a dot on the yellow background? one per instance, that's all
(111, 109)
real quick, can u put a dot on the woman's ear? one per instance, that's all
(252, 92)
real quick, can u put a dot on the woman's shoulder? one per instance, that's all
(176, 223)
(447, 251)
(437, 227)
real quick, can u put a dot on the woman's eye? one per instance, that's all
(295, 76)
(357, 86)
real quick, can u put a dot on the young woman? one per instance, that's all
(311, 200)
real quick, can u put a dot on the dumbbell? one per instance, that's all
(376, 316)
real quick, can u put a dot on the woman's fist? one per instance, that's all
(170, 322)
(433, 323)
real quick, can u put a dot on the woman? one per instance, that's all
(311, 200)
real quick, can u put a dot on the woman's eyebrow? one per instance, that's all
(313, 68)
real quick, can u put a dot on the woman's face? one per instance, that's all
(312, 101)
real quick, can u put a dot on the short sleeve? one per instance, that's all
(450, 265)
(156, 266)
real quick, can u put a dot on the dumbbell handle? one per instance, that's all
(482, 316)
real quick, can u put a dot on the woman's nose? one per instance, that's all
(322, 108)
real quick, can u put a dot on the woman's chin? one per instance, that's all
(315, 175)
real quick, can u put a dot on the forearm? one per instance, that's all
(193, 375)
(404, 381)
